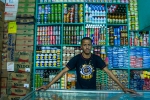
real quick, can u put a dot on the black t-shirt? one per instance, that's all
(86, 70)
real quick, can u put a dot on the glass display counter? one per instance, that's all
(85, 95)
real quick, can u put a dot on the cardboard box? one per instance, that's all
(19, 76)
(20, 5)
(3, 91)
(11, 39)
(24, 48)
(12, 97)
(18, 84)
(24, 42)
(25, 27)
(2, 6)
(25, 37)
(30, 32)
(4, 73)
(25, 15)
(23, 56)
(21, 67)
(26, 10)
(4, 65)
(3, 82)
(17, 91)
(10, 53)
(2, 14)
(1, 26)
(25, 21)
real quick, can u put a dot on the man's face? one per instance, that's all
(86, 46)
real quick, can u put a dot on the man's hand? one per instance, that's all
(45, 87)
(125, 90)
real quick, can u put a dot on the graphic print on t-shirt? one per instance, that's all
(86, 71)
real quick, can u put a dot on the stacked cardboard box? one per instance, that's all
(17, 61)
(2, 9)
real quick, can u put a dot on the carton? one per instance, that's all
(23, 56)
(17, 91)
(25, 27)
(4, 73)
(26, 10)
(11, 39)
(12, 97)
(21, 67)
(19, 76)
(2, 6)
(2, 13)
(4, 65)
(18, 84)
(25, 37)
(3, 91)
(20, 5)
(25, 15)
(3, 82)
(25, 21)
(24, 48)
(30, 32)
(10, 54)
(24, 42)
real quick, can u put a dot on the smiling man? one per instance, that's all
(86, 64)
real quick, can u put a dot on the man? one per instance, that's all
(85, 65)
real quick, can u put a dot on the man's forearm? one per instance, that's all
(57, 77)
(115, 79)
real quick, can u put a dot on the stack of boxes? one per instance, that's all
(18, 60)
(2, 78)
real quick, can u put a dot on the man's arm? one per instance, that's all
(57, 77)
(111, 75)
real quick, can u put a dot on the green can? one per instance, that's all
(52, 8)
(42, 18)
(59, 18)
(56, 8)
(49, 18)
(59, 8)
(55, 18)
(52, 18)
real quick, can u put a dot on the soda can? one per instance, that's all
(38, 19)
(45, 18)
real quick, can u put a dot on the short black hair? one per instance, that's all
(86, 38)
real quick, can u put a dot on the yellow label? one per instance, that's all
(12, 27)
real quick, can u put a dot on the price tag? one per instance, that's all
(26, 85)
(27, 69)
(12, 27)
(10, 66)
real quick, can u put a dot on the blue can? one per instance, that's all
(45, 18)
(38, 19)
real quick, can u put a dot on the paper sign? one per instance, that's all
(11, 5)
(10, 66)
(12, 27)
(10, 15)
(27, 69)
(26, 85)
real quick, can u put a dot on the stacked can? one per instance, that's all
(118, 36)
(95, 14)
(47, 35)
(139, 39)
(97, 33)
(69, 52)
(43, 77)
(118, 57)
(73, 14)
(100, 51)
(122, 75)
(140, 57)
(117, 14)
(44, 1)
(133, 15)
(140, 80)
(108, 1)
(49, 14)
(73, 34)
(48, 57)
(101, 80)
